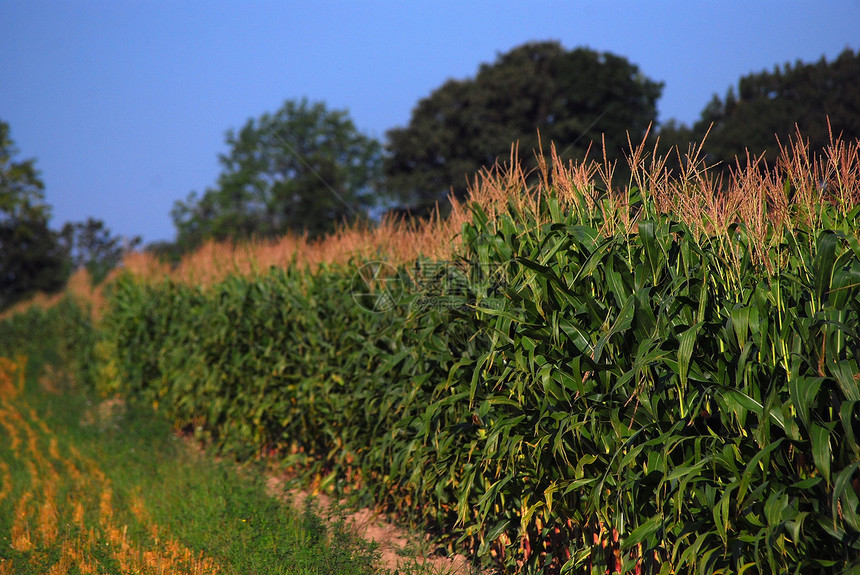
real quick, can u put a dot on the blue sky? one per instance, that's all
(124, 104)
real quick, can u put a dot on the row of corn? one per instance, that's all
(656, 381)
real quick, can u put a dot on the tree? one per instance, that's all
(31, 258)
(302, 169)
(572, 97)
(771, 105)
(91, 245)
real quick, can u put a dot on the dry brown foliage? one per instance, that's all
(765, 199)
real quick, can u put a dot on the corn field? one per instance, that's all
(568, 378)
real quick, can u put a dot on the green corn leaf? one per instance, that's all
(843, 491)
(703, 296)
(542, 270)
(595, 260)
(803, 391)
(653, 255)
(492, 493)
(821, 454)
(493, 534)
(547, 255)
(684, 470)
(740, 323)
(823, 264)
(844, 282)
(736, 397)
(616, 286)
(642, 532)
(621, 323)
(807, 483)
(846, 416)
(394, 360)
(751, 471)
(690, 555)
(721, 513)
(846, 373)
(851, 570)
(584, 459)
(578, 484)
(687, 342)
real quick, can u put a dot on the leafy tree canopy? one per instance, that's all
(572, 96)
(31, 259)
(22, 192)
(91, 245)
(302, 169)
(770, 105)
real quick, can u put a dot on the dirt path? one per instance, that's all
(397, 548)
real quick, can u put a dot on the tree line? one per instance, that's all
(816, 100)
(307, 169)
(34, 257)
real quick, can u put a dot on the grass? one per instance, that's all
(92, 486)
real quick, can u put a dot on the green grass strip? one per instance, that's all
(108, 486)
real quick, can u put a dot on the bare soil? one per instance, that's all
(398, 548)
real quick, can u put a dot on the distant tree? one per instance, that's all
(169, 252)
(302, 169)
(673, 133)
(770, 105)
(572, 96)
(31, 258)
(91, 245)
